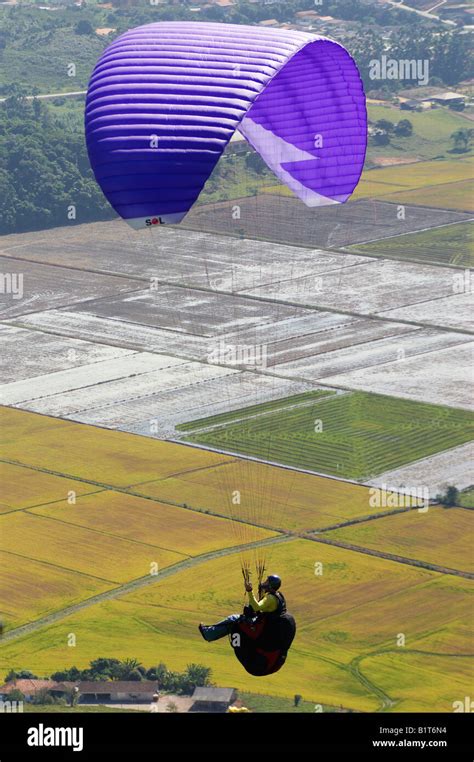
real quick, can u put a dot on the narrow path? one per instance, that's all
(354, 668)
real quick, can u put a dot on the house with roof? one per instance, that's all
(210, 699)
(29, 688)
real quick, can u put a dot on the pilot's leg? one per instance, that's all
(219, 630)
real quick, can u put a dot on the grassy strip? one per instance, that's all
(451, 244)
(259, 409)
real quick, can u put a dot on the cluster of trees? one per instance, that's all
(45, 176)
(386, 129)
(183, 683)
(462, 140)
(450, 497)
(449, 55)
(448, 51)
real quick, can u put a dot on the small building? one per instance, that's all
(116, 691)
(209, 699)
(306, 15)
(269, 22)
(448, 99)
(410, 105)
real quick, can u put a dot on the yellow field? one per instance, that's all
(458, 196)
(56, 554)
(356, 607)
(122, 629)
(85, 452)
(378, 183)
(415, 679)
(149, 522)
(23, 487)
(453, 638)
(31, 589)
(423, 173)
(440, 536)
(272, 496)
(416, 611)
(103, 556)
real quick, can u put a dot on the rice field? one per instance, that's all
(270, 496)
(448, 245)
(441, 536)
(32, 589)
(106, 557)
(378, 183)
(414, 679)
(466, 498)
(355, 435)
(352, 610)
(431, 137)
(349, 606)
(147, 521)
(119, 459)
(457, 195)
(23, 487)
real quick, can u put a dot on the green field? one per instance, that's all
(431, 132)
(466, 498)
(251, 410)
(447, 245)
(362, 434)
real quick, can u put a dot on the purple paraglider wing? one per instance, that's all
(165, 99)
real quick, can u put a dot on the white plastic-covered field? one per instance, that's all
(103, 379)
(404, 343)
(132, 331)
(454, 311)
(372, 286)
(455, 466)
(27, 354)
(443, 377)
(159, 413)
(173, 255)
(27, 286)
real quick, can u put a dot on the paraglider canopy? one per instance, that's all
(165, 99)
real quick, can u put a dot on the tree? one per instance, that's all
(157, 673)
(84, 27)
(72, 675)
(404, 128)
(461, 139)
(131, 669)
(43, 696)
(22, 674)
(381, 139)
(105, 669)
(16, 695)
(196, 675)
(386, 125)
(255, 163)
(450, 497)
